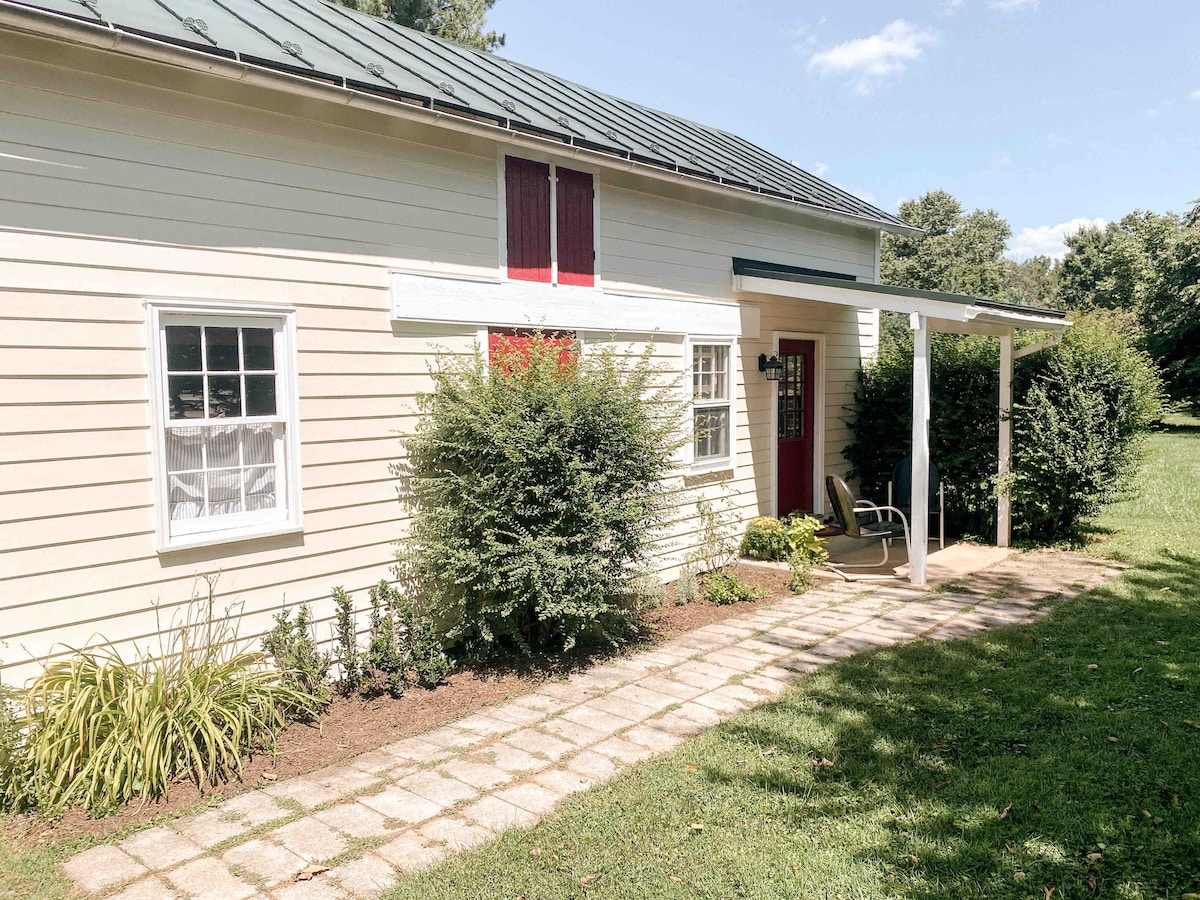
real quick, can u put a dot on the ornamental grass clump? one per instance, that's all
(103, 730)
(536, 483)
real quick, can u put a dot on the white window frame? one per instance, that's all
(210, 531)
(710, 463)
(502, 207)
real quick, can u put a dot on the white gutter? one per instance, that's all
(105, 37)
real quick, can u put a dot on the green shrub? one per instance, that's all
(649, 592)
(687, 586)
(1077, 431)
(802, 540)
(1079, 406)
(765, 539)
(801, 565)
(15, 774)
(537, 490)
(771, 539)
(964, 428)
(723, 588)
(345, 650)
(403, 646)
(103, 730)
(292, 646)
(716, 543)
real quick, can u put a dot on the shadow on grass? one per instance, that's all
(1063, 753)
(1181, 427)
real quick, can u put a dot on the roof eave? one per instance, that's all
(959, 312)
(45, 23)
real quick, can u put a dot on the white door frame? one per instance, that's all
(818, 419)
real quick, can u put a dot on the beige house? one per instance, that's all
(232, 237)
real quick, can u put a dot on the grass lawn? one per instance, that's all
(1060, 760)
(1000, 766)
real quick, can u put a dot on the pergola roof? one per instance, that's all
(336, 46)
(958, 313)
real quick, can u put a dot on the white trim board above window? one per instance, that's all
(523, 304)
(226, 423)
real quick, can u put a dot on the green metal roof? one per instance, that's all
(755, 269)
(359, 52)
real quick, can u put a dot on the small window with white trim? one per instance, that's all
(712, 404)
(227, 461)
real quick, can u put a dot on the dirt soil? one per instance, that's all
(350, 726)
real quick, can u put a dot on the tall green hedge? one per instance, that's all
(1079, 409)
(536, 479)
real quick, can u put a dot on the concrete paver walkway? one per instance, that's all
(414, 801)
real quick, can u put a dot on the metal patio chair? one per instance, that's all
(863, 520)
(900, 494)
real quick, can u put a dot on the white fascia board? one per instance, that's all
(964, 318)
(849, 296)
(524, 304)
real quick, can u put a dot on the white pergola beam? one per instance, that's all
(919, 504)
(1004, 498)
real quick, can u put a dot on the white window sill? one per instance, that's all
(230, 536)
(707, 466)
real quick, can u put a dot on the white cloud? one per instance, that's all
(950, 7)
(1048, 240)
(1014, 5)
(1195, 95)
(819, 169)
(874, 57)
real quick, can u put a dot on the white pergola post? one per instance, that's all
(1003, 498)
(919, 526)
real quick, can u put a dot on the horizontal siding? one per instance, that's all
(173, 192)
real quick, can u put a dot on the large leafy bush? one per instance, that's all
(1076, 428)
(964, 429)
(537, 488)
(1079, 409)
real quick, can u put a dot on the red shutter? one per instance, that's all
(576, 229)
(505, 344)
(527, 196)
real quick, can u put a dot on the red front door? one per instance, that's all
(795, 427)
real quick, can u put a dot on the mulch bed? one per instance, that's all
(350, 726)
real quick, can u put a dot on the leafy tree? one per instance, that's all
(959, 252)
(1033, 282)
(462, 21)
(1147, 264)
(1171, 316)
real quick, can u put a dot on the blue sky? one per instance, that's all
(1049, 111)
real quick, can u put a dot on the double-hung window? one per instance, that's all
(549, 221)
(712, 404)
(227, 443)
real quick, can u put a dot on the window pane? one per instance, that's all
(185, 395)
(222, 348)
(710, 372)
(183, 348)
(224, 492)
(184, 449)
(260, 395)
(260, 488)
(224, 396)
(222, 447)
(258, 348)
(186, 500)
(258, 445)
(712, 433)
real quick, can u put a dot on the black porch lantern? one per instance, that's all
(773, 367)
